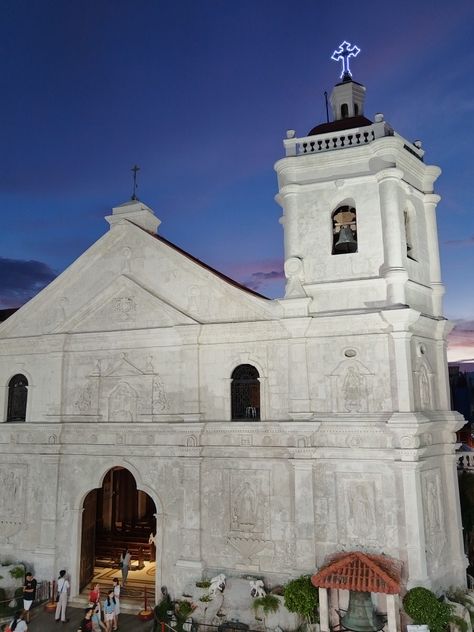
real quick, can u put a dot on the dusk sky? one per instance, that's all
(200, 93)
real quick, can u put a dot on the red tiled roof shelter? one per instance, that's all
(360, 572)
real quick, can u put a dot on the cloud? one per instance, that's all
(469, 241)
(259, 279)
(20, 280)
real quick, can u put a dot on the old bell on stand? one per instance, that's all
(346, 241)
(360, 615)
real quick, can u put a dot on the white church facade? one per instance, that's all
(269, 434)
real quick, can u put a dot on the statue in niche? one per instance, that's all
(244, 510)
(424, 383)
(120, 403)
(352, 390)
(160, 399)
(361, 514)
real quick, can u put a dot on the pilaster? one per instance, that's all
(304, 515)
(430, 201)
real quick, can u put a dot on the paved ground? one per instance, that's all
(44, 622)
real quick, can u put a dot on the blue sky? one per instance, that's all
(200, 93)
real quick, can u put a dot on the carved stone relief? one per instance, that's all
(351, 387)
(249, 511)
(84, 401)
(359, 522)
(435, 532)
(122, 403)
(123, 308)
(12, 498)
(295, 277)
(160, 399)
(424, 385)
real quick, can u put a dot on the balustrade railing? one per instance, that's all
(356, 137)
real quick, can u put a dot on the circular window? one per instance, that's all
(350, 353)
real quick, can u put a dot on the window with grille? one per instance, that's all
(245, 393)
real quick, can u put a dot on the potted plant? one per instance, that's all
(183, 611)
(424, 608)
(301, 597)
(267, 604)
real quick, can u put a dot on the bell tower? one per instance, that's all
(366, 332)
(358, 211)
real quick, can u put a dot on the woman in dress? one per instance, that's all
(116, 590)
(109, 611)
(94, 595)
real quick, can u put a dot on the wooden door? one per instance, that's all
(89, 519)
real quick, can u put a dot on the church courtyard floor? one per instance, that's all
(44, 622)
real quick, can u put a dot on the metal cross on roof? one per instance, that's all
(344, 53)
(135, 170)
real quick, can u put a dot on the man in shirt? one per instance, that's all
(29, 594)
(63, 589)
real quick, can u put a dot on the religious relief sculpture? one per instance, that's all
(352, 390)
(160, 399)
(424, 388)
(435, 532)
(84, 401)
(244, 510)
(12, 498)
(361, 521)
(295, 276)
(122, 403)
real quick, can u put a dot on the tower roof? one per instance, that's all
(340, 125)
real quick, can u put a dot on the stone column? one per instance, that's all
(393, 613)
(430, 202)
(304, 515)
(414, 525)
(401, 321)
(323, 609)
(453, 521)
(288, 199)
(299, 404)
(191, 531)
(393, 269)
(190, 383)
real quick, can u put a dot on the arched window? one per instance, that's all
(356, 109)
(344, 230)
(344, 110)
(17, 397)
(245, 393)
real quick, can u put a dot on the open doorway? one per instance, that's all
(115, 517)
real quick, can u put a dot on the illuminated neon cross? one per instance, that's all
(344, 53)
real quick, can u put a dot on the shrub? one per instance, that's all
(204, 583)
(424, 608)
(268, 604)
(301, 597)
(18, 572)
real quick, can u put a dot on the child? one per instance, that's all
(97, 623)
(116, 589)
(17, 624)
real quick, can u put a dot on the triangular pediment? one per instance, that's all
(360, 572)
(125, 305)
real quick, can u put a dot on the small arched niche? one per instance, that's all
(344, 230)
(409, 219)
(245, 393)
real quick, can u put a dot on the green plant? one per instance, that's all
(424, 608)
(269, 603)
(205, 598)
(183, 610)
(18, 572)
(301, 597)
(204, 583)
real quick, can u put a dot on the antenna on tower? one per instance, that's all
(327, 110)
(135, 169)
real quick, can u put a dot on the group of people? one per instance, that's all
(97, 617)
(103, 616)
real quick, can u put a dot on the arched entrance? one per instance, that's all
(117, 516)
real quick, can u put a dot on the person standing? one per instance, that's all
(63, 589)
(29, 594)
(125, 560)
(109, 610)
(18, 624)
(116, 589)
(97, 624)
